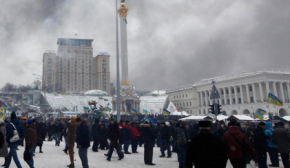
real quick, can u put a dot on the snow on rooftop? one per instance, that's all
(286, 118)
(193, 118)
(243, 117)
(96, 93)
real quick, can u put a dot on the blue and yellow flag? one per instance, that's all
(145, 111)
(274, 100)
(259, 116)
(134, 111)
(86, 108)
(261, 111)
(166, 112)
(108, 108)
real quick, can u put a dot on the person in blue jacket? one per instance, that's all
(13, 145)
(272, 147)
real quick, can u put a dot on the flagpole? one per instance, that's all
(118, 73)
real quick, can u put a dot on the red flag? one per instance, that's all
(178, 109)
(123, 109)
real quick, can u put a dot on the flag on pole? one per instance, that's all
(260, 114)
(145, 111)
(133, 111)
(86, 108)
(108, 108)
(274, 100)
(261, 111)
(166, 112)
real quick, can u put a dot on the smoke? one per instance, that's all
(170, 43)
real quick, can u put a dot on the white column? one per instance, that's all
(225, 96)
(236, 95)
(220, 100)
(230, 93)
(210, 101)
(242, 94)
(206, 98)
(261, 92)
(282, 92)
(254, 92)
(202, 99)
(288, 92)
(267, 88)
(275, 89)
(198, 93)
(248, 94)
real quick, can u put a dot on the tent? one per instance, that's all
(149, 119)
(183, 113)
(241, 118)
(193, 118)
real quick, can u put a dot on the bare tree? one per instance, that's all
(9, 87)
(37, 84)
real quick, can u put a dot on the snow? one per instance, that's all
(193, 118)
(159, 92)
(244, 117)
(183, 113)
(96, 93)
(54, 157)
(286, 118)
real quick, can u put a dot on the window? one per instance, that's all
(228, 101)
(173, 97)
(183, 96)
(190, 103)
(227, 91)
(186, 95)
(250, 88)
(233, 90)
(240, 100)
(252, 99)
(222, 92)
(187, 104)
(238, 90)
(183, 104)
(234, 101)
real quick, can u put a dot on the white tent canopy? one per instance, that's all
(286, 118)
(243, 117)
(194, 118)
(183, 113)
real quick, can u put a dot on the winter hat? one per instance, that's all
(24, 118)
(97, 120)
(233, 123)
(167, 123)
(73, 119)
(262, 124)
(163, 123)
(29, 122)
(280, 124)
(127, 122)
(112, 119)
(204, 124)
(78, 120)
(13, 115)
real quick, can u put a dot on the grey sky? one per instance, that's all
(171, 43)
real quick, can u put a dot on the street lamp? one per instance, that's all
(118, 73)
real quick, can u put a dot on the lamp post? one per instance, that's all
(118, 73)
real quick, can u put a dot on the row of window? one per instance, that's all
(183, 104)
(180, 96)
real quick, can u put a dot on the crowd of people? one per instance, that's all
(202, 145)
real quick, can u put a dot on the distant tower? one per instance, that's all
(124, 48)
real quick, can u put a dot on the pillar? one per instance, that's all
(288, 92)
(198, 94)
(275, 89)
(254, 92)
(225, 96)
(248, 94)
(236, 95)
(242, 94)
(261, 92)
(267, 88)
(206, 98)
(230, 94)
(282, 92)
(210, 100)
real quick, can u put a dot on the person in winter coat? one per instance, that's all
(282, 138)
(236, 143)
(148, 134)
(260, 145)
(4, 148)
(23, 123)
(71, 138)
(205, 150)
(272, 147)
(57, 132)
(103, 138)
(30, 141)
(135, 135)
(222, 129)
(40, 129)
(165, 137)
(114, 136)
(127, 136)
(96, 133)
(182, 141)
(83, 141)
(14, 124)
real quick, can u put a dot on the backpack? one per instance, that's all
(181, 139)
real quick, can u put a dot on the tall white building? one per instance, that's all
(239, 94)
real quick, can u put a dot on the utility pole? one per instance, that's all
(118, 73)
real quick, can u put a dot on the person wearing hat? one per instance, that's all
(260, 145)
(23, 123)
(11, 126)
(96, 133)
(205, 150)
(236, 143)
(165, 137)
(4, 148)
(282, 138)
(127, 136)
(83, 141)
(30, 141)
(272, 146)
(71, 138)
(135, 134)
(149, 141)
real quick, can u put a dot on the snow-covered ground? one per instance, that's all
(54, 157)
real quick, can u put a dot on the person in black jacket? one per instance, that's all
(149, 141)
(57, 132)
(114, 136)
(127, 136)
(165, 143)
(260, 145)
(40, 129)
(205, 150)
(83, 141)
(103, 138)
(96, 133)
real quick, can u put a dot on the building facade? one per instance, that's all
(239, 94)
(49, 70)
(102, 65)
(74, 69)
